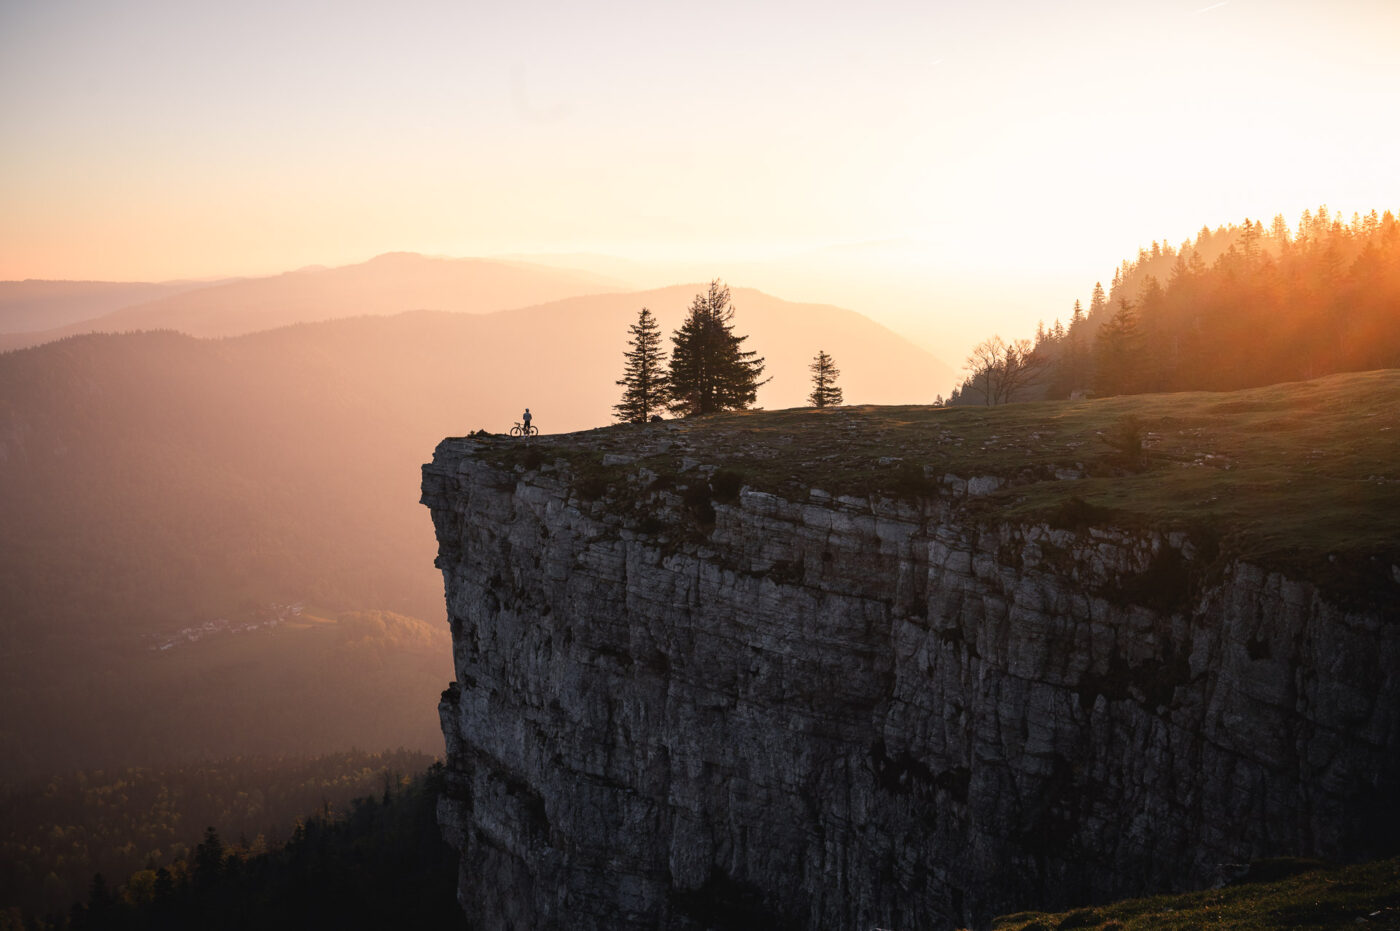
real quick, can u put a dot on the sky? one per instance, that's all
(952, 169)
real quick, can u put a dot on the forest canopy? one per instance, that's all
(1239, 306)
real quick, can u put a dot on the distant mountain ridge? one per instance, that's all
(387, 284)
(152, 480)
(34, 305)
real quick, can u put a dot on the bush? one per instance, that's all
(590, 487)
(697, 500)
(726, 485)
(1126, 438)
(1076, 514)
(911, 482)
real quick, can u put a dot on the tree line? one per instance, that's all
(708, 370)
(1239, 306)
(381, 863)
(60, 830)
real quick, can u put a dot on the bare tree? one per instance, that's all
(982, 366)
(1024, 368)
(999, 371)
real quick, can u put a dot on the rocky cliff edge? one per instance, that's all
(705, 681)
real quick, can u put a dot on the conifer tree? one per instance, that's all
(1116, 352)
(709, 372)
(644, 378)
(209, 858)
(824, 375)
(1097, 303)
(1246, 305)
(1071, 363)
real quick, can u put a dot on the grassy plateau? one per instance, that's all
(1315, 897)
(1303, 476)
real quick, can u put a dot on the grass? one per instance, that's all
(1302, 476)
(1355, 897)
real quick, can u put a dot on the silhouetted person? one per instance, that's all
(526, 420)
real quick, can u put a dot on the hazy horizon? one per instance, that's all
(948, 171)
(886, 281)
(892, 301)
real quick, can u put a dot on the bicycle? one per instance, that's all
(528, 429)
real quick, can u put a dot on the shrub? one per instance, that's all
(697, 500)
(1126, 438)
(1076, 514)
(590, 485)
(911, 482)
(726, 485)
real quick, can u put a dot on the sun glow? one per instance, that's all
(1011, 151)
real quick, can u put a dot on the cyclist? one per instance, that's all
(526, 419)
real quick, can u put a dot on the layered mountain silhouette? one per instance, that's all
(34, 306)
(389, 284)
(153, 481)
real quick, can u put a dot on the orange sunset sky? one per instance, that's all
(949, 168)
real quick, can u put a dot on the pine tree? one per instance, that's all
(1180, 270)
(824, 375)
(1097, 303)
(1070, 365)
(709, 372)
(1116, 352)
(644, 378)
(1305, 223)
(209, 858)
(1250, 235)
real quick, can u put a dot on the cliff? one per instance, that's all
(702, 682)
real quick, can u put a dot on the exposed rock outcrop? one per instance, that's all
(685, 704)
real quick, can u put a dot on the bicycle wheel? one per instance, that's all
(532, 430)
(515, 430)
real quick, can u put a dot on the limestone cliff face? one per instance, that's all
(744, 711)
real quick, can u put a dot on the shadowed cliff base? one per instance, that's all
(913, 668)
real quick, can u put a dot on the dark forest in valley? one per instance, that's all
(60, 830)
(371, 859)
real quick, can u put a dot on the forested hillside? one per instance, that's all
(60, 830)
(44, 305)
(1238, 306)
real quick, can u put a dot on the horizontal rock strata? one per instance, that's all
(728, 709)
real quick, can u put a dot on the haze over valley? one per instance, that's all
(960, 475)
(158, 481)
(387, 284)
